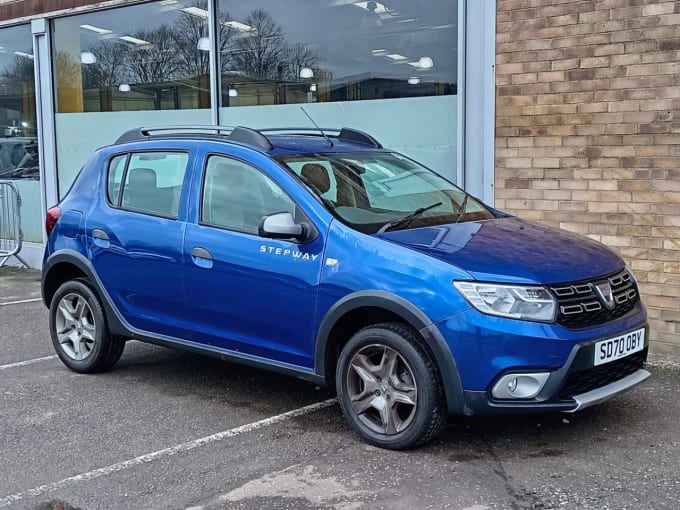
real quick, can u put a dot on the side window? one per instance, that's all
(237, 196)
(153, 182)
(116, 170)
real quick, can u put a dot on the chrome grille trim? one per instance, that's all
(580, 307)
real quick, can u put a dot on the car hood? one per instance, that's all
(511, 250)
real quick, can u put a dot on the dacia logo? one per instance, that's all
(286, 252)
(604, 292)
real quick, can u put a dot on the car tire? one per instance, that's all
(388, 387)
(80, 334)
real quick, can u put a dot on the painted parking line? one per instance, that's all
(21, 301)
(166, 452)
(27, 362)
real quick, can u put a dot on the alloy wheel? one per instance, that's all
(75, 326)
(382, 389)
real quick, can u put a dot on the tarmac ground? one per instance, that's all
(170, 430)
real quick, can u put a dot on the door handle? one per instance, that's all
(98, 233)
(201, 253)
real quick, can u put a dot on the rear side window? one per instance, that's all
(149, 182)
(116, 170)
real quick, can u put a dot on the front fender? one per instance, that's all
(411, 314)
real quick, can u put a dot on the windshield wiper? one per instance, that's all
(461, 209)
(408, 218)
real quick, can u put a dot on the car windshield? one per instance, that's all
(379, 192)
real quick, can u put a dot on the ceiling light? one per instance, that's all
(233, 93)
(413, 80)
(237, 25)
(203, 44)
(134, 40)
(425, 63)
(87, 57)
(396, 57)
(196, 11)
(379, 52)
(23, 54)
(306, 73)
(169, 2)
(97, 30)
(124, 87)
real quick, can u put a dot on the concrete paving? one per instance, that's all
(167, 429)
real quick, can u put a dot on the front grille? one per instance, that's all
(580, 305)
(589, 379)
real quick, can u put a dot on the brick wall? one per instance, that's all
(588, 132)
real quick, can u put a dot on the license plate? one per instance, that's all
(619, 346)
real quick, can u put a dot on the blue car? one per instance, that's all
(323, 255)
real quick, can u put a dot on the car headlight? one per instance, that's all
(513, 301)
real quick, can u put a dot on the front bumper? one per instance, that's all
(555, 395)
(486, 354)
(604, 393)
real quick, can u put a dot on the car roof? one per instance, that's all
(272, 141)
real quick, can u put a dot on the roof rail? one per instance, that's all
(354, 135)
(253, 137)
(348, 134)
(144, 133)
(238, 134)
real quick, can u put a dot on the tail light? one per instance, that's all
(51, 218)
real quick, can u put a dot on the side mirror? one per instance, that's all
(281, 226)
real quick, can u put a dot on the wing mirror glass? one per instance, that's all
(281, 226)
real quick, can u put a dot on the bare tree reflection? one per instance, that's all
(16, 75)
(261, 54)
(110, 67)
(170, 55)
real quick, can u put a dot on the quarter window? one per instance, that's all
(152, 182)
(237, 196)
(116, 169)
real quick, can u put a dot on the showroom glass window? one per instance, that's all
(303, 51)
(18, 133)
(145, 64)
(152, 56)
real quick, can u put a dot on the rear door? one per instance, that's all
(247, 293)
(135, 235)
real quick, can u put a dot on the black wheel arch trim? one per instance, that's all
(443, 358)
(113, 318)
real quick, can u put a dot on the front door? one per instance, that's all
(246, 293)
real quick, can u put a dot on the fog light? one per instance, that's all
(515, 386)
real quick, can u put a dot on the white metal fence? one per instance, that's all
(10, 223)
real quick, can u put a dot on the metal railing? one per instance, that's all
(11, 235)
